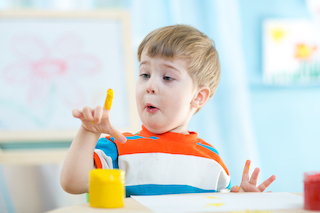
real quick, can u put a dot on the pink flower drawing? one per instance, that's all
(41, 69)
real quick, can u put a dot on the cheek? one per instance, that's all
(178, 95)
(139, 87)
(177, 103)
(138, 95)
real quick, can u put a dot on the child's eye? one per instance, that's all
(167, 78)
(145, 75)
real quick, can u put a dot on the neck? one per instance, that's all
(180, 129)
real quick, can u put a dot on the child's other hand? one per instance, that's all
(249, 185)
(97, 120)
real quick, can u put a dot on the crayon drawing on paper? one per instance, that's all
(52, 64)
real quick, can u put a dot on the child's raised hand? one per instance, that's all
(249, 185)
(97, 120)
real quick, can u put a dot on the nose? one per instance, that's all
(151, 87)
(150, 90)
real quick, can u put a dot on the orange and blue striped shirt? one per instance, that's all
(169, 163)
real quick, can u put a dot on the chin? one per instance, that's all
(155, 128)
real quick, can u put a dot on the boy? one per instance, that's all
(179, 72)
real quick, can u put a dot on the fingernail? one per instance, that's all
(238, 187)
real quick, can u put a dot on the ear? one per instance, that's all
(201, 97)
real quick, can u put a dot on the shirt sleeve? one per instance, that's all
(106, 154)
(227, 189)
(224, 182)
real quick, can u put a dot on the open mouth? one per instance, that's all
(150, 108)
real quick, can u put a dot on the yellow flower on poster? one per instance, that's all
(305, 51)
(278, 33)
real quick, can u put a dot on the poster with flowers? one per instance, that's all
(291, 52)
(53, 63)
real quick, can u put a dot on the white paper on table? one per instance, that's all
(221, 202)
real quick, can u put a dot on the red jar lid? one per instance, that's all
(312, 177)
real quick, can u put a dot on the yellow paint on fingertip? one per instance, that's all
(248, 164)
(108, 102)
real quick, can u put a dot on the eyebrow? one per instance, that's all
(171, 67)
(166, 65)
(144, 62)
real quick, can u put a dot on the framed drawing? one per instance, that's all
(291, 52)
(53, 62)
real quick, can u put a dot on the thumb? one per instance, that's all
(234, 189)
(117, 135)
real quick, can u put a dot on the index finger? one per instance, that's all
(245, 176)
(108, 102)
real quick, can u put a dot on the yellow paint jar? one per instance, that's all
(106, 188)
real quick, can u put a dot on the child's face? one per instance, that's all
(164, 93)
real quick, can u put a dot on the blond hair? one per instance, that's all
(183, 41)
